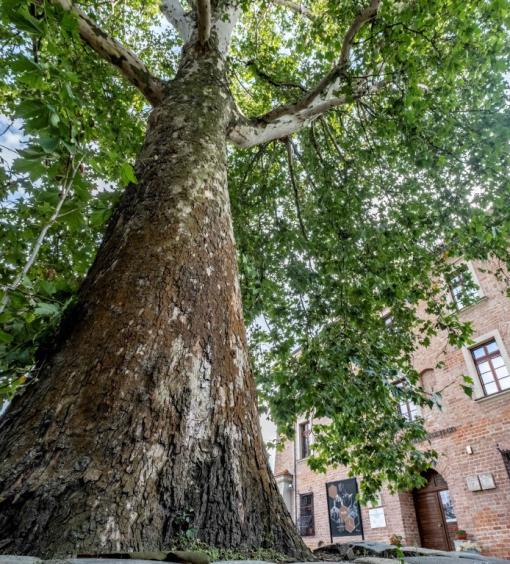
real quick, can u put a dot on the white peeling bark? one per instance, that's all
(287, 119)
(223, 26)
(203, 24)
(247, 133)
(174, 13)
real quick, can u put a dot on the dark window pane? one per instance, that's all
(306, 517)
(304, 439)
(506, 460)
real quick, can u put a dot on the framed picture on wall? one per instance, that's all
(343, 508)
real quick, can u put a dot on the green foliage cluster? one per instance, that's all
(81, 127)
(356, 217)
(384, 193)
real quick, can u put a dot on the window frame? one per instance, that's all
(478, 391)
(409, 412)
(464, 267)
(407, 401)
(506, 460)
(310, 530)
(304, 432)
(488, 357)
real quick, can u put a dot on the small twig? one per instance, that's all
(262, 74)
(295, 188)
(331, 137)
(316, 145)
(68, 181)
(9, 149)
(303, 165)
(252, 163)
(6, 129)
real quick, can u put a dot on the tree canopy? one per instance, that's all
(338, 224)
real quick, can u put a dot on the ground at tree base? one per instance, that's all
(364, 552)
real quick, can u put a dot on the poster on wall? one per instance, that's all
(343, 508)
(377, 518)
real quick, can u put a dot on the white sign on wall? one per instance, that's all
(377, 518)
(487, 481)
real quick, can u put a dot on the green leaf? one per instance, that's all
(468, 390)
(44, 309)
(49, 143)
(5, 338)
(48, 287)
(54, 119)
(127, 174)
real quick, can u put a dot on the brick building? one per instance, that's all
(469, 488)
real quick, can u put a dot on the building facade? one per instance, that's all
(469, 488)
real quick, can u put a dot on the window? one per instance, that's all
(448, 510)
(304, 439)
(462, 287)
(408, 409)
(491, 368)
(407, 406)
(506, 459)
(306, 522)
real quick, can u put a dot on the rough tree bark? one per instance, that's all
(143, 418)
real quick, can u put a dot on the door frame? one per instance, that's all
(434, 489)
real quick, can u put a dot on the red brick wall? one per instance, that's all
(483, 425)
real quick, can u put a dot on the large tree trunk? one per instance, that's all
(143, 422)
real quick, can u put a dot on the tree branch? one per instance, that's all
(174, 13)
(286, 119)
(66, 186)
(203, 20)
(259, 72)
(297, 8)
(250, 132)
(224, 19)
(290, 161)
(361, 19)
(115, 53)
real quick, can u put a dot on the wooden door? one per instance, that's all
(433, 529)
(430, 516)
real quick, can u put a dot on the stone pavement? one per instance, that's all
(418, 555)
(369, 552)
(423, 559)
(365, 552)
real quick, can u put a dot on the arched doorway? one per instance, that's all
(434, 513)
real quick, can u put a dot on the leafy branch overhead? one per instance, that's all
(112, 51)
(196, 27)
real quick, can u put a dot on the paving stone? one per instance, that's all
(374, 560)
(375, 547)
(420, 551)
(444, 560)
(247, 562)
(95, 561)
(8, 559)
